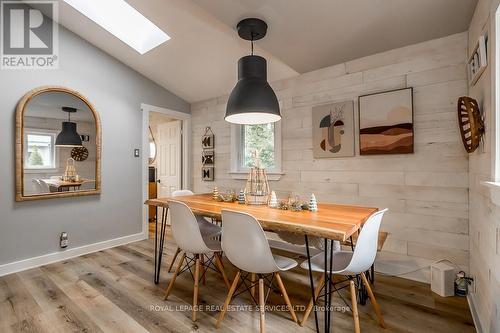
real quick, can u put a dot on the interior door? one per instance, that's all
(169, 158)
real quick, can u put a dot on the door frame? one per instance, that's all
(185, 119)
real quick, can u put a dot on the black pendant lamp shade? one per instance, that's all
(68, 137)
(252, 100)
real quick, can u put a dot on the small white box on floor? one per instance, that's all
(443, 279)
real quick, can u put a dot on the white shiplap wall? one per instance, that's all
(426, 192)
(484, 214)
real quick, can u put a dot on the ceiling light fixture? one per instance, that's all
(122, 21)
(252, 100)
(68, 137)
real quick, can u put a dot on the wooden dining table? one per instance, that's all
(331, 222)
(60, 185)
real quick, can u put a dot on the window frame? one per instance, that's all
(237, 170)
(41, 131)
(495, 112)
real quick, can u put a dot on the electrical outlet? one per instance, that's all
(63, 240)
(137, 152)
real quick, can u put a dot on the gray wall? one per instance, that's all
(29, 229)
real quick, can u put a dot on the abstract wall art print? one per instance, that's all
(386, 123)
(333, 130)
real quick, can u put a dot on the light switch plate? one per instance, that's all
(137, 152)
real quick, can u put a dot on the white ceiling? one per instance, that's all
(199, 62)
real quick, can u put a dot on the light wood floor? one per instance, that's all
(112, 291)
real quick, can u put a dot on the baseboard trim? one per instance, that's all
(475, 317)
(49, 258)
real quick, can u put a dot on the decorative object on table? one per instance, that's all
(252, 100)
(470, 122)
(86, 137)
(70, 173)
(228, 196)
(462, 283)
(216, 194)
(283, 205)
(241, 197)
(296, 206)
(478, 60)
(333, 130)
(313, 203)
(79, 154)
(257, 187)
(207, 173)
(273, 202)
(207, 157)
(386, 123)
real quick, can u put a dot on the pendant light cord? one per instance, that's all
(252, 42)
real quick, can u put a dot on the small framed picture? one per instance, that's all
(207, 157)
(478, 60)
(207, 141)
(207, 173)
(386, 123)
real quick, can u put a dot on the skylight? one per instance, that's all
(123, 21)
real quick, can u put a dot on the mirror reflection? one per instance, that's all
(59, 145)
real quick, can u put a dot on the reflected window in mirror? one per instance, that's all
(40, 152)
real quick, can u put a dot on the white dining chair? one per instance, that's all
(245, 245)
(207, 229)
(44, 187)
(352, 264)
(36, 185)
(187, 235)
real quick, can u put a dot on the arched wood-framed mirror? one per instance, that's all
(58, 145)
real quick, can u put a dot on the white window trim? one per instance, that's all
(495, 81)
(494, 186)
(42, 131)
(238, 172)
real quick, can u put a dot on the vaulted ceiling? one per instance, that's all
(199, 62)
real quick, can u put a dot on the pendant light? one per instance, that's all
(252, 100)
(68, 137)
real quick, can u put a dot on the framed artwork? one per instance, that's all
(478, 60)
(207, 141)
(386, 123)
(207, 173)
(333, 130)
(207, 157)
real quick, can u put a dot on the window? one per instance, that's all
(258, 138)
(40, 149)
(123, 21)
(265, 139)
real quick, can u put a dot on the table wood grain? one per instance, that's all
(331, 221)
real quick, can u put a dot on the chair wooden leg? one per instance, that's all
(375, 305)
(262, 306)
(173, 259)
(204, 269)
(177, 269)
(354, 305)
(228, 299)
(218, 262)
(321, 282)
(196, 285)
(253, 281)
(285, 296)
